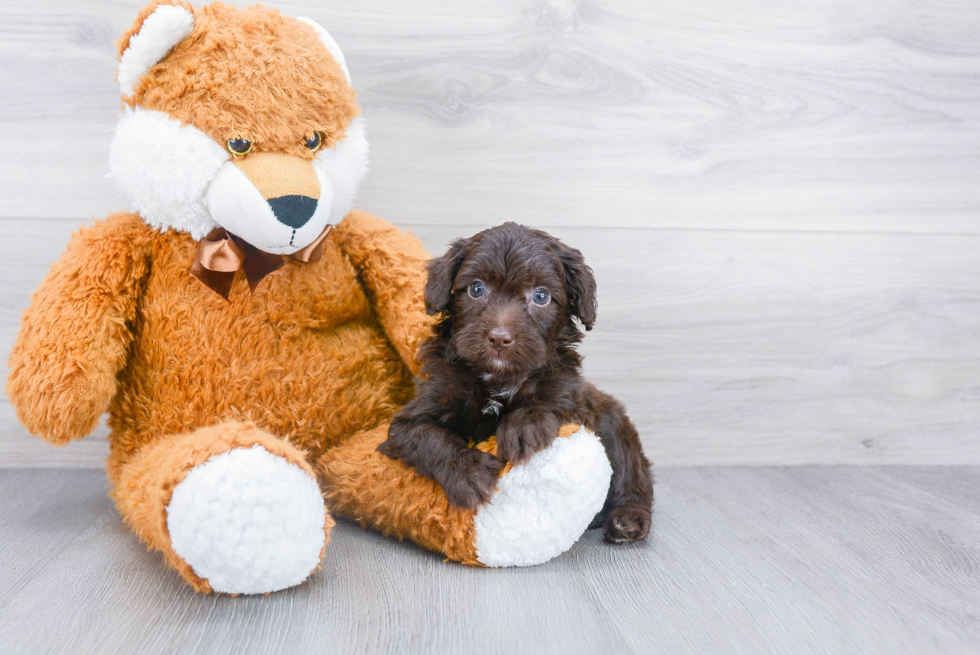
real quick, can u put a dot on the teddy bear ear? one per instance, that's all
(159, 27)
(330, 44)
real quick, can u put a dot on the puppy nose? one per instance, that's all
(500, 337)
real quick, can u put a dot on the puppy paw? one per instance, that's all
(525, 432)
(626, 524)
(470, 479)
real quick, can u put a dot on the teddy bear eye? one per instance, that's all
(541, 297)
(314, 142)
(477, 290)
(239, 147)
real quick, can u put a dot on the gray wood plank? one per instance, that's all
(727, 347)
(41, 514)
(754, 560)
(845, 116)
(803, 560)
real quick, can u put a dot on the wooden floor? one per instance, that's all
(753, 560)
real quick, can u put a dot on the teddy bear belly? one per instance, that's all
(315, 387)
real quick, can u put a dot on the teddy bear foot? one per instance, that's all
(232, 508)
(248, 522)
(539, 509)
(542, 507)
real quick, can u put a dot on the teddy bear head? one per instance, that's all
(242, 119)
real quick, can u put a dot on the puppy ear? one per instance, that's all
(579, 284)
(442, 274)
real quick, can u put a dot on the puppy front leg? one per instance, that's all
(525, 431)
(467, 475)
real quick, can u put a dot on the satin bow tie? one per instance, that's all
(221, 254)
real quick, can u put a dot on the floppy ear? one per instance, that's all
(442, 273)
(159, 27)
(579, 284)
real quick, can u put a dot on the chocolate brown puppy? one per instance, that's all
(503, 362)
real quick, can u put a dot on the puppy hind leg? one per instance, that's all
(627, 513)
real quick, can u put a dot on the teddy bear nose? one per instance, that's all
(500, 337)
(294, 211)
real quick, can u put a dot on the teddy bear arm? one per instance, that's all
(75, 335)
(391, 264)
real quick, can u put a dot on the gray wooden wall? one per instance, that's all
(781, 200)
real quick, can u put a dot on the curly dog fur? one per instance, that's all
(503, 362)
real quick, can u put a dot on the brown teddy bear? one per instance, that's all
(250, 335)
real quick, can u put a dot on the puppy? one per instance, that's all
(503, 362)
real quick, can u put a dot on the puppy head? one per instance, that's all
(510, 294)
(238, 118)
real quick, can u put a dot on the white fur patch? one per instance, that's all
(165, 169)
(236, 205)
(345, 165)
(329, 43)
(160, 32)
(248, 522)
(543, 506)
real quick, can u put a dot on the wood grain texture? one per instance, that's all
(839, 115)
(780, 200)
(754, 560)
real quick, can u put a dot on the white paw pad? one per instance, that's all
(543, 506)
(248, 522)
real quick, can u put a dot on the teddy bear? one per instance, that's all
(248, 333)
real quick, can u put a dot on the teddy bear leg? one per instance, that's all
(232, 508)
(539, 509)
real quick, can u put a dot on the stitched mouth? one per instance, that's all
(270, 249)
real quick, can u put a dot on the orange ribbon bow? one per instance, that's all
(221, 254)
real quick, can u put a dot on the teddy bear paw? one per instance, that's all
(248, 522)
(543, 506)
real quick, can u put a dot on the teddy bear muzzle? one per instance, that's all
(276, 202)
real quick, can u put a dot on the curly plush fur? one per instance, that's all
(303, 373)
(257, 74)
(318, 354)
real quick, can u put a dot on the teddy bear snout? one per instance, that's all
(289, 184)
(278, 203)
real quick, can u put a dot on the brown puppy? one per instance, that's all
(503, 362)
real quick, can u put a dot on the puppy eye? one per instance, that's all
(477, 290)
(239, 147)
(314, 142)
(541, 297)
